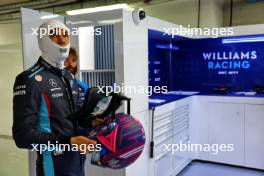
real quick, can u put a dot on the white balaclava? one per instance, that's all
(53, 53)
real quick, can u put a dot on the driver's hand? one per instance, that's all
(97, 122)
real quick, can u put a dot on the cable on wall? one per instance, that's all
(231, 13)
(199, 13)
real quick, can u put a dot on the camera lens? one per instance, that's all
(142, 15)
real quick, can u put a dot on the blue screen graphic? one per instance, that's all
(203, 64)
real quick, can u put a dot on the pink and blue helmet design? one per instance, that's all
(122, 142)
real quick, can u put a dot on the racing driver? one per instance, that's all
(45, 96)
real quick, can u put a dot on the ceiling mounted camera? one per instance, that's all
(138, 15)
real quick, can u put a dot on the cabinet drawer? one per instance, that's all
(181, 109)
(162, 123)
(163, 131)
(162, 117)
(181, 116)
(159, 149)
(183, 136)
(165, 109)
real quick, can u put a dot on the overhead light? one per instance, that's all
(49, 16)
(97, 9)
(79, 22)
(112, 21)
(243, 40)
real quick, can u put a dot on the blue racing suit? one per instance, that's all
(44, 99)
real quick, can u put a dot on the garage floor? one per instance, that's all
(212, 169)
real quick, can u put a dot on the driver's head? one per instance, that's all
(54, 43)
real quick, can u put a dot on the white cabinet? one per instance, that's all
(209, 120)
(161, 164)
(226, 126)
(229, 120)
(181, 134)
(163, 128)
(254, 136)
(240, 124)
(171, 125)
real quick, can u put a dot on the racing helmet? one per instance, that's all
(122, 137)
(122, 141)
